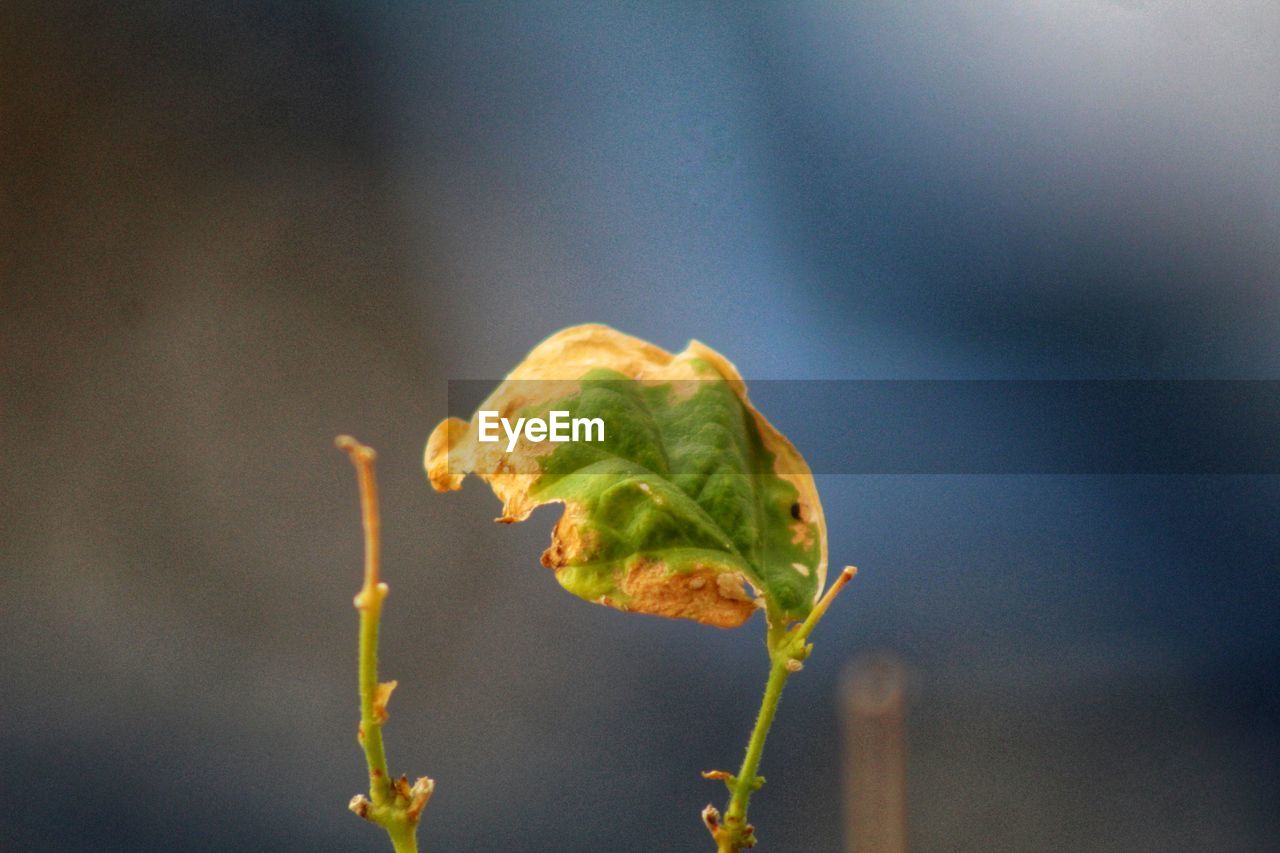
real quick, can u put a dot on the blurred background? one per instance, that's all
(228, 233)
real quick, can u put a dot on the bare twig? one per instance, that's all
(395, 805)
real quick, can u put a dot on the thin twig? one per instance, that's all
(392, 803)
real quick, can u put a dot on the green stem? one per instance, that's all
(404, 837)
(392, 803)
(747, 782)
(370, 607)
(788, 648)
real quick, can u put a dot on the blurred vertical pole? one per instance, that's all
(873, 705)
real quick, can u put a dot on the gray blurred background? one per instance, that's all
(229, 233)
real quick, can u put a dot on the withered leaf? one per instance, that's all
(692, 506)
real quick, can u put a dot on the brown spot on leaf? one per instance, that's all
(568, 540)
(651, 588)
(802, 535)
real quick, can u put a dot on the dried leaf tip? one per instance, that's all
(381, 696)
(420, 794)
(360, 805)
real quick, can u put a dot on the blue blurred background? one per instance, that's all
(232, 232)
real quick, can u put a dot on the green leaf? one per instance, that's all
(690, 497)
